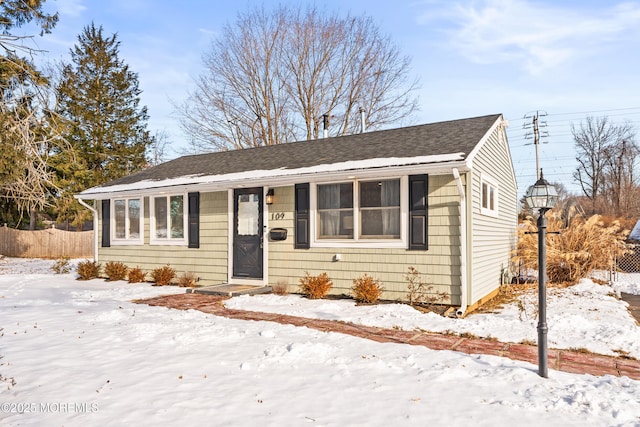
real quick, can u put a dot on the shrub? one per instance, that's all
(366, 289)
(136, 275)
(88, 270)
(281, 287)
(315, 287)
(187, 280)
(420, 292)
(582, 246)
(62, 266)
(115, 270)
(162, 276)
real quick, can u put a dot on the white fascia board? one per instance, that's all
(279, 177)
(500, 121)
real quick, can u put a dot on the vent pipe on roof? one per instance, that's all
(325, 124)
(362, 125)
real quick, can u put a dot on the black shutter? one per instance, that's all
(106, 220)
(194, 220)
(418, 217)
(302, 216)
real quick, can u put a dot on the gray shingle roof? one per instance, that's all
(456, 136)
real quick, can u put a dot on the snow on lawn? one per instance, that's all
(79, 353)
(587, 315)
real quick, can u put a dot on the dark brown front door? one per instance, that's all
(247, 233)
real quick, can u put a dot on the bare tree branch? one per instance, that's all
(606, 155)
(271, 77)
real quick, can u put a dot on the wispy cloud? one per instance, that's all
(71, 8)
(539, 35)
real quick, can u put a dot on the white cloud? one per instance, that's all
(539, 36)
(71, 8)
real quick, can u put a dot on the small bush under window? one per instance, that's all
(136, 275)
(366, 289)
(315, 287)
(115, 270)
(88, 270)
(163, 276)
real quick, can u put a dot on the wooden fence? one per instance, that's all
(49, 243)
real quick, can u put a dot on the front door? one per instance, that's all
(247, 233)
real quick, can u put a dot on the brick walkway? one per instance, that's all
(563, 360)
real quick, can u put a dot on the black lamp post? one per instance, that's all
(542, 196)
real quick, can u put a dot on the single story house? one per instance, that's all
(439, 197)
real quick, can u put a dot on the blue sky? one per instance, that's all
(569, 59)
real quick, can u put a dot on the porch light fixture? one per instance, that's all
(269, 198)
(542, 196)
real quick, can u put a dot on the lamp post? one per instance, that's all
(542, 196)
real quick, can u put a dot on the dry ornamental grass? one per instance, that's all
(583, 246)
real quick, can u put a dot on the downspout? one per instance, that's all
(463, 245)
(95, 225)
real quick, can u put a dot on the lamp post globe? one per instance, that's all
(541, 195)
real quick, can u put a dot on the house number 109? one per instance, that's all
(277, 216)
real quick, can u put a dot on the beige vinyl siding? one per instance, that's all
(209, 262)
(439, 265)
(492, 238)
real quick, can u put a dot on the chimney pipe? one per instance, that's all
(362, 126)
(325, 123)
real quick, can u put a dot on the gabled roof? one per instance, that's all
(450, 141)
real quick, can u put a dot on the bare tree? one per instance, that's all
(619, 172)
(271, 76)
(27, 139)
(157, 149)
(603, 150)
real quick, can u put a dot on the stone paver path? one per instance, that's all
(563, 360)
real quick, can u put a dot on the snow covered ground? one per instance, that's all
(80, 353)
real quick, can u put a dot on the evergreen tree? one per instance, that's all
(104, 125)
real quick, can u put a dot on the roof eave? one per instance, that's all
(280, 181)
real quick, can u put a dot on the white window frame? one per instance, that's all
(492, 196)
(115, 241)
(182, 241)
(356, 241)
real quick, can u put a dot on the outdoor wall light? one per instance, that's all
(269, 198)
(542, 196)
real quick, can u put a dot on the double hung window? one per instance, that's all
(359, 210)
(168, 222)
(127, 220)
(489, 197)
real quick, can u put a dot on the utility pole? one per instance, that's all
(535, 124)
